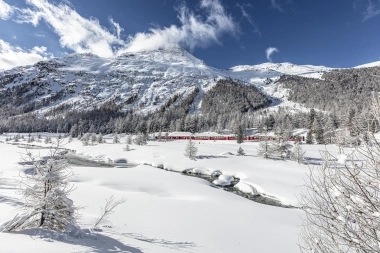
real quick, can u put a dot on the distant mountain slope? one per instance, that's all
(82, 81)
(141, 81)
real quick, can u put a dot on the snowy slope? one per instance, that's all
(144, 80)
(369, 65)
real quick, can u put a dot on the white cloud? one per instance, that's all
(5, 10)
(12, 56)
(194, 31)
(83, 35)
(270, 51)
(76, 33)
(372, 10)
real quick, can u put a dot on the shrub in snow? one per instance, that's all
(264, 148)
(342, 201)
(129, 139)
(240, 152)
(191, 150)
(140, 140)
(45, 192)
(297, 153)
(159, 136)
(16, 138)
(47, 140)
(281, 148)
(85, 139)
(116, 139)
(93, 138)
(99, 138)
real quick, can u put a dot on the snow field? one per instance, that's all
(166, 211)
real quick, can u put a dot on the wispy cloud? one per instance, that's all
(5, 10)
(269, 51)
(194, 31)
(118, 29)
(372, 10)
(248, 17)
(12, 56)
(276, 5)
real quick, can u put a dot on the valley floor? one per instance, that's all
(166, 211)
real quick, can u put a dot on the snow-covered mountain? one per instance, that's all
(143, 81)
(369, 65)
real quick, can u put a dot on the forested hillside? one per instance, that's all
(229, 96)
(338, 90)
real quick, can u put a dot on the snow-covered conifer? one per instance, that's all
(191, 150)
(140, 140)
(129, 139)
(297, 153)
(116, 139)
(93, 138)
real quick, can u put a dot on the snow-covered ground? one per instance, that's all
(166, 211)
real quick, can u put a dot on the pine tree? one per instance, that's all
(74, 131)
(239, 133)
(93, 138)
(329, 134)
(129, 139)
(309, 137)
(318, 130)
(116, 139)
(191, 150)
(240, 152)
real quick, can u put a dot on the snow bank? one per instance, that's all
(223, 180)
(248, 187)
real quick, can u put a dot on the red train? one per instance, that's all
(224, 138)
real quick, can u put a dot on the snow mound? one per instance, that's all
(342, 159)
(223, 180)
(249, 188)
(227, 153)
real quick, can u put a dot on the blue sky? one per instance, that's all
(223, 33)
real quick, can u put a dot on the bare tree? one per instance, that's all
(108, 209)
(46, 191)
(342, 201)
